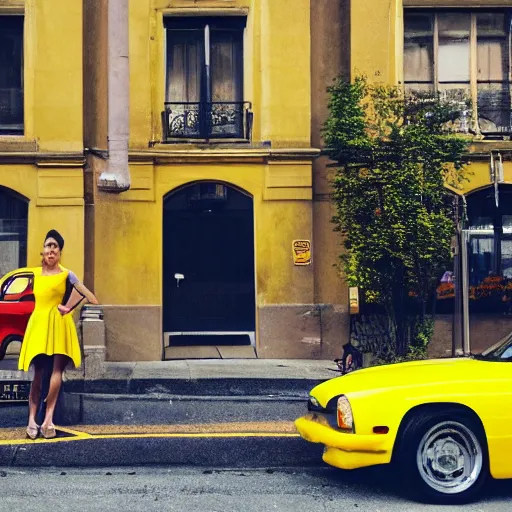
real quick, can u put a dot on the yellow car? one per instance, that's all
(446, 424)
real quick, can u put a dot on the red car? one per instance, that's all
(16, 305)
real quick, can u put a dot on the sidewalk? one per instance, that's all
(194, 377)
(213, 377)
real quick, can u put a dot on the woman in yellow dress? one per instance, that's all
(51, 332)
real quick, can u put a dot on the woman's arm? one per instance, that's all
(81, 289)
(78, 293)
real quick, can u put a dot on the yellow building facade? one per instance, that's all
(447, 45)
(197, 258)
(176, 144)
(41, 130)
(460, 48)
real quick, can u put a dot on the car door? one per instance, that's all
(16, 305)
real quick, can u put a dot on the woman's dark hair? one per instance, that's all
(56, 236)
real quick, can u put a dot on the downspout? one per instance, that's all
(116, 177)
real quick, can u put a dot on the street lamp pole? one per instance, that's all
(465, 293)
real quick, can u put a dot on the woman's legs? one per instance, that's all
(35, 391)
(59, 364)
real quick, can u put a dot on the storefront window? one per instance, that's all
(489, 255)
(490, 251)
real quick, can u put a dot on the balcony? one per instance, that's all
(11, 111)
(207, 121)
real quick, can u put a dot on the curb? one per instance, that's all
(199, 387)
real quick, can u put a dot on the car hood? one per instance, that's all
(416, 373)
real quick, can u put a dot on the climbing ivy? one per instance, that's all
(394, 153)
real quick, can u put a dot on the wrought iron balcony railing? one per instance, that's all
(11, 111)
(206, 121)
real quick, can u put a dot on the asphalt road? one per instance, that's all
(209, 490)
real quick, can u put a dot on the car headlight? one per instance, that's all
(345, 417)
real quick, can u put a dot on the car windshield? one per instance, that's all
(501, 351)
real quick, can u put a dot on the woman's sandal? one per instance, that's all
(33, 432)
(48, 432)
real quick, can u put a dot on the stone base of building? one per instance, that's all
(302, 331)
(485, 330)
(294, 331)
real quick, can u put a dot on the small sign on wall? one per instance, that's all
(353, 300)
(301, 252)
(14, 391)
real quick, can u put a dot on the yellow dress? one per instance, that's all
(48, 331)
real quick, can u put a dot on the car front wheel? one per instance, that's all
(444, 456)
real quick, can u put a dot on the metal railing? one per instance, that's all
(11, 111)
(206, 121)
(495, 111)
(493, 108)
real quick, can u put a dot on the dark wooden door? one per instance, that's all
(213, 248)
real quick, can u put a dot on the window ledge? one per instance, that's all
(490, 145)
(212, 144)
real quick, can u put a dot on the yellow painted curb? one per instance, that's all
(84, 436)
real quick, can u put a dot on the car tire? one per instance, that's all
(443, 457)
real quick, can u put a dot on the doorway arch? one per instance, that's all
(13, 230)
(208, 266)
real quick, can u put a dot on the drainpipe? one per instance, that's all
(116, 177)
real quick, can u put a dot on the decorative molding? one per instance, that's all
(54, 201)
(42, 159)
(288, 181)
(12, 7)
(191, 155)
(198, 10)
(55, 187)
(143, 183)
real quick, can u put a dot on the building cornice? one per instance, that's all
(234, 155)
(42, 159)
(481, 150)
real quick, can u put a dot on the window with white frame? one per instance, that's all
(464, 55)
(11, 75)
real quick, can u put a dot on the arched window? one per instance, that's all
(13, 230)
